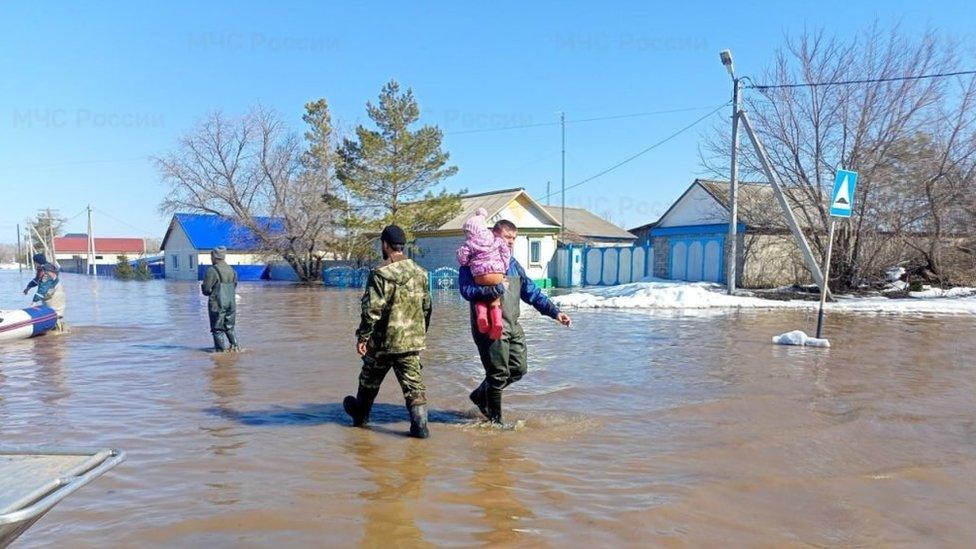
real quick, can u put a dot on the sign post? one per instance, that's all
(841, 205)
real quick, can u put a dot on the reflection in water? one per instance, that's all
(494, 492)
(51, 353)
(392, 503)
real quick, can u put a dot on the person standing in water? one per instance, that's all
(220, 285)
(505, 359)
(395, 317)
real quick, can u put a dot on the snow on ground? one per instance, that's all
(9, 266)
(659, 294)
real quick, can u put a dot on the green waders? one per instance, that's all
(223, 313)
(505, 359)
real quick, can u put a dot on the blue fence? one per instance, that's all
(443, 278)
(345, 277)
(603, 266)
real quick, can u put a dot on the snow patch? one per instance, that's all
(799, 337)
(664, 295)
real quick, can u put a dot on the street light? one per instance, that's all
(732, 247)
(726, 56)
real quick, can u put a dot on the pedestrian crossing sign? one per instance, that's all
(842, 199)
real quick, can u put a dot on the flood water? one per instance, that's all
(639, 428)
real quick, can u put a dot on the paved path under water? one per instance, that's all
(640, 428)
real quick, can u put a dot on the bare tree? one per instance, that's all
(250, 169)
(828, 123)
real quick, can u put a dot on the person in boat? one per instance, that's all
(220, 285)
(49, 292)
(46, 279)
(395, 316)
(505, 359)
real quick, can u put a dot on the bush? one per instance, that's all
(915, 285)
(142, 270)
(123, 271)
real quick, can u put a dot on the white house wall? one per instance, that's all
(524, 214)
(696, 207)
(440, 251)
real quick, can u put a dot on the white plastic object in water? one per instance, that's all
(799, 337)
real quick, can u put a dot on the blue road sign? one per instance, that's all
(842, 199)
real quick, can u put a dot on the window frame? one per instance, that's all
(533, 242)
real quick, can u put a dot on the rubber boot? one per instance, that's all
(358, 406)
(418, 421)
(493, 404)
(497, 323)
(478, 398)
(219, 344)
(232, 339)
(481, 316)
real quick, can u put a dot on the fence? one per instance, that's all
(443, 278)
(345, 277)
(603, 266)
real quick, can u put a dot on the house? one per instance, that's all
(689, 240)
(71, 252)
(537, 232)
(191, 237)
(584, 227)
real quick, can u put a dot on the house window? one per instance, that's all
(176, 262)
(191, 262)
(98, 257)
(535, 252)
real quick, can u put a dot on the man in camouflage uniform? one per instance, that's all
(393, 331)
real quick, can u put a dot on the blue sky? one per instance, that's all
(90, 91)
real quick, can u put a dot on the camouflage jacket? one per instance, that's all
(396, 309)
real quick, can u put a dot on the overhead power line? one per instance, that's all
(643, 152)
(864, 81)
(576, 121)
(126, 223)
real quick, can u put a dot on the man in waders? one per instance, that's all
(505, 360)
(220, 284)
(393, 331)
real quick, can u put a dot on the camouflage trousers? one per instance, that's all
(408, 371)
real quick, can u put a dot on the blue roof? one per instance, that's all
(207, 231)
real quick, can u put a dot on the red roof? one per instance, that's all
(79, 245)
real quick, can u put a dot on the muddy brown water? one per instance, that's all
(639, 428)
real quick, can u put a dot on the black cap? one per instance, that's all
(39, 259)
(393, 235)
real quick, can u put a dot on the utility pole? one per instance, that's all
(50, 230)
(91, 247)
(20, 264)
(739, 116)
(732, 247)
(562, 222)
(30, 246)
(548, 192)
(773, 177)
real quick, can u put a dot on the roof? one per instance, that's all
(494, 202)
(758, 207)
(208, 231)
(78, 243)
(588, 225)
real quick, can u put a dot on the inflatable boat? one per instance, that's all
(25, 323)
(32, 481)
